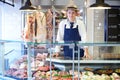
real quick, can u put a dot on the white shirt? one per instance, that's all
(60, 34)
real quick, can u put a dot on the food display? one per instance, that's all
(84, 75)
(18, 69)
(41, 70)
(45, 67)
(103, 71)
(110, 56)
(117, 70)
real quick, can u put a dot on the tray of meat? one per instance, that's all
(110, 56)
(16, 78)
(103, 71)
(20, 74)
(117, 70)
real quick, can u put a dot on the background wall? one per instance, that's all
(0, 23)
(10, 29)
(95, 27)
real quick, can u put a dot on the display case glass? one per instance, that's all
(35, 62)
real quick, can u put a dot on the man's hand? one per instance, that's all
(56, 54)
(86, 54)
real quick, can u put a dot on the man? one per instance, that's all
(72, 29)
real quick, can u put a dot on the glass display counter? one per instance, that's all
(36, 62)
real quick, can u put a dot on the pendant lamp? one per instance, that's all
(100, 5)
(28, 6)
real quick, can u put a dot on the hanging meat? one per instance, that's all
(28, 32)
(41, 26)
(35, 29)
(49, 18)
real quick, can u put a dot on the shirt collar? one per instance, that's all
(68, 24)
(69, 21)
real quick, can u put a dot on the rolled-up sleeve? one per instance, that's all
(82, 32)
(60, 35)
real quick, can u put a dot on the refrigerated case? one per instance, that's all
(32, 65)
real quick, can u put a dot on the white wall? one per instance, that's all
(0, 23)
(94, 31)
(11, 28)
(11, 22)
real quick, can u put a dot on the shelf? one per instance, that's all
(62, 61)
(67, 43)
(6, 78)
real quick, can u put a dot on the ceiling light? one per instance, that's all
(100, 5)
(28, 6)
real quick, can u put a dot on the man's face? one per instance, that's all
(71, 14)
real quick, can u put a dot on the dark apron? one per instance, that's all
(72, 35)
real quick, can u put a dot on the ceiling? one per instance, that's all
(59, 4)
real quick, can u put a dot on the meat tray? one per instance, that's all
(16, 78)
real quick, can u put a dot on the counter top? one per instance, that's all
(60, 60)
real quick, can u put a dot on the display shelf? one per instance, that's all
(6, 78)
(100, 44)
(62, 61)
(65, 62)
(67, 43)
(11, 78)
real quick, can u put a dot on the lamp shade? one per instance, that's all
(28, 6)
(100, 5)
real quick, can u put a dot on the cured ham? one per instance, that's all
(28, 30)
(49, 17)
(35, 27)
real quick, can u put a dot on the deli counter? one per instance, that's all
(33, 62)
